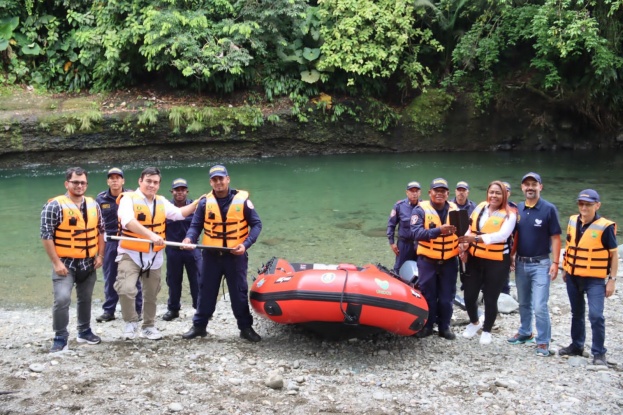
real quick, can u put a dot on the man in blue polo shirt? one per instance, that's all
(400, 216)
(538, 235)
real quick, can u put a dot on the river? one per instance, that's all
(326, 209)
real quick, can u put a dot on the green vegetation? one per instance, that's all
(375, 54)
(427, 112)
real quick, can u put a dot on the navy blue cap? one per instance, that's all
(218, 170)
(115, 170)
(462, 184)
(439, 182)
(179, 183)
(589, 195)
(507, 185)
(533, 175)
(413, 184)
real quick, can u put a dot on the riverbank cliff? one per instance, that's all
(151, 126)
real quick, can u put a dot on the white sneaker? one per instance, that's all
(485, 338)
(151, 333)
(130, 331)
(471, 330)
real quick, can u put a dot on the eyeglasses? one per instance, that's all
(587, 204)
(77, 182)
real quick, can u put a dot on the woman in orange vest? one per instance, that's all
(486, 248)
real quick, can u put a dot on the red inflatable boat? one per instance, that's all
(336, 297)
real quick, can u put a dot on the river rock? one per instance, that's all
(36, 367)
(274, 381)
(176, 407)
(507, 304)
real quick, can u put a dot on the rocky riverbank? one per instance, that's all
(294, 372)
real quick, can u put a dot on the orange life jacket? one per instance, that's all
(227, 233)
(74, 238)
(442, 247)
(587, 258)
(493, 224)
(142, 213)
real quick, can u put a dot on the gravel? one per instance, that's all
(293, 371)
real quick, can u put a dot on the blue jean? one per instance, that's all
(532, 281)
(62, 286)
(595, 289)
(110, 276)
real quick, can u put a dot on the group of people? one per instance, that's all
(502, 237)
(126, 231)
(76, 232)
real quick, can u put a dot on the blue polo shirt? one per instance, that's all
(535, 227)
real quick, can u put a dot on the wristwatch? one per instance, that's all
(610, 277)
(477, 239)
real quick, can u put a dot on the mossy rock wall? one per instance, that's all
(433, 122)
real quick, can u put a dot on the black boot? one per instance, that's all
(171, 315)
(250, 334)
(195, 332)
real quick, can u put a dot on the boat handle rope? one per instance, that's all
(347, 317)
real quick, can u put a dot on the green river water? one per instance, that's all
(324, 209)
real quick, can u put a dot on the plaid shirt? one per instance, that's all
(52, 217)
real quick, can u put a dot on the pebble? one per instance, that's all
(294, 372)
(36, 367)
(274, 381)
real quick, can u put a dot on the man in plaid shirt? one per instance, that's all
(72, 232)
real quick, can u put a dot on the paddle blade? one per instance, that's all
(460, 220)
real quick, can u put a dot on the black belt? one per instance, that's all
(435, 261)
(532, 260)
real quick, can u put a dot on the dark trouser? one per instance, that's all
(110, 276)
(438, 284)
(595, 290)
(506, 288)
(490, 276)
(177, 260)
(234, 268)
(407, 253)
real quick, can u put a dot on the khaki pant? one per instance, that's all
(127, 275)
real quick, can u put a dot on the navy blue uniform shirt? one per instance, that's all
(535, 227)
(401, 215)
(108, 206)
(469, 206)
(176, 229)
(250, 215)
